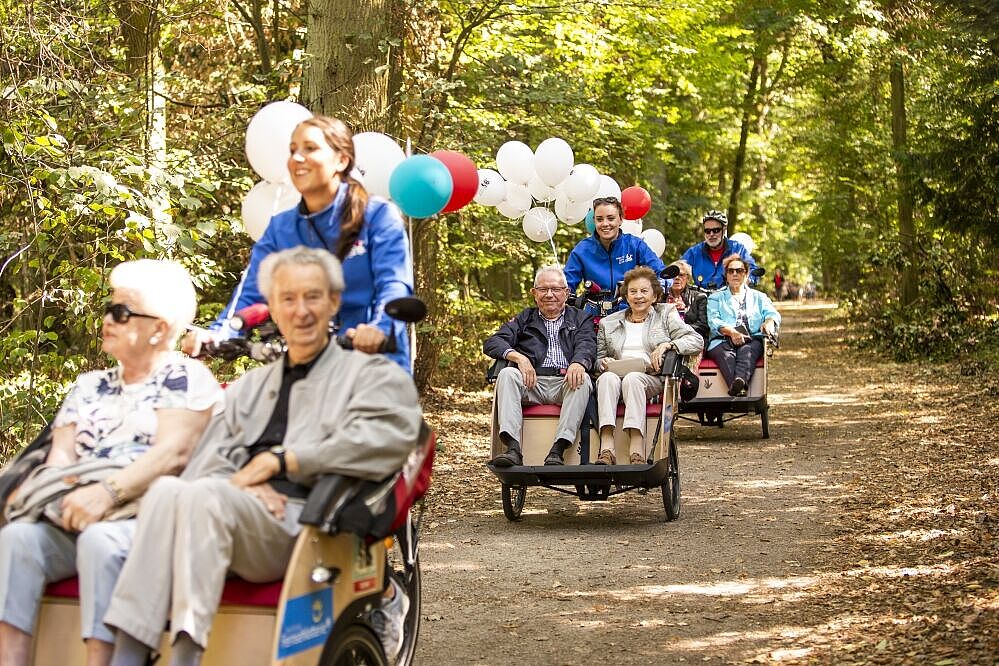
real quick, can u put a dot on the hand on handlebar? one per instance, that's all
(193, 341)
(657, 356)
(366, 338)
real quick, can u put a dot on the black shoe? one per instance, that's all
(509, 459)
(738, 387)
(554, 456)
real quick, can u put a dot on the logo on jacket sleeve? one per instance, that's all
(357, 249)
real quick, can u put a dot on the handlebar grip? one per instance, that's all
(388, 345)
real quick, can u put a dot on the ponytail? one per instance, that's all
(352, 216)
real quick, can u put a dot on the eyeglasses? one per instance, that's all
(605, 200)
(550, 290)
(713, 230)
(121, 313)
(735, 271)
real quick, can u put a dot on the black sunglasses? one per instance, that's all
(735, 271)
(605, 200)
(713, 230)
(121, 313)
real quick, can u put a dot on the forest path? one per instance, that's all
(779, 554)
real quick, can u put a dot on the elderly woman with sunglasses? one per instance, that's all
(609, 253)
(143, 417)
(738, 317)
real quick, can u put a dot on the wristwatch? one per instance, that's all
(279, 451)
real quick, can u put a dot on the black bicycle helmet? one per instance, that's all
(716, 215)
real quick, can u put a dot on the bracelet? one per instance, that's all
(114, 490)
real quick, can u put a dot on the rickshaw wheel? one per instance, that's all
(765, 422)
(411, 582)
(357, 647)
(513, 501)
(671, 484)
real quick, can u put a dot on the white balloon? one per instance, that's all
(515, 161)
(492, 188)
(541, 192)
(745, 239)
(376, 156)
(553, 161)
(519, 197)
(633, 227)
(655, 240)
(582, 183)
(569, 211)
(262, 202)
(509, 210)
(539, 224)
(607, 188)
(268, 136)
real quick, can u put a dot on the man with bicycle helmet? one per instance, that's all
(705, 258)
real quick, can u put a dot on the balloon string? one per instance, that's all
(551, 239)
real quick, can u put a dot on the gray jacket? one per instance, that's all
(354, 414)
(663, 324)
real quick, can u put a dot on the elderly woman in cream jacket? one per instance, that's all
(645, 331)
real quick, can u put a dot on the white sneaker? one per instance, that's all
(389, 622)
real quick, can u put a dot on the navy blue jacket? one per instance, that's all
(526, 334)
(707, 273)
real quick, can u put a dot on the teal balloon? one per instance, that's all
(421, 186)
(590, 226)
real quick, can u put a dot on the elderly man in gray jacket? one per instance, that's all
(318, 410)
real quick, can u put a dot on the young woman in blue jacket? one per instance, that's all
(609, 253)
(366, 233)
(738, 317)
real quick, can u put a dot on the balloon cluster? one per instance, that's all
(421, 185)
(525, 181)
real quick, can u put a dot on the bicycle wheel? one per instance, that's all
(513, 501)
(671, 484)
(404, 564)
(358, 646)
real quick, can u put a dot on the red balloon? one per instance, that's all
(636, 202)
(465, 177)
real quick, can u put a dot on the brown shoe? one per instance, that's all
(637, 459)
(606, 457)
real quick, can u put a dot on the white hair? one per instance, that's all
(300, 256)
(550, 268)
(163, 289)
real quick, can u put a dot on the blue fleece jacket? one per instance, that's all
(722, 312)
(707, 273)
(589, 260)
(377, 269)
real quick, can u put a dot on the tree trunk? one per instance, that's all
(906, 226)
(748, 105)
(427, 352)
(348, 74)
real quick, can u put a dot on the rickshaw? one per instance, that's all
(578, 476)
(356, 536)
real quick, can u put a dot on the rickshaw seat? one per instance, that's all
(237, 592)
(652, 409)
(708, 363)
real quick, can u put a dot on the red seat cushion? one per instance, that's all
(237, 592)
(709, 364)
(554, 410)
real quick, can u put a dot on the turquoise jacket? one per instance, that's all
(759, 308)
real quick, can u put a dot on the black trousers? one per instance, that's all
(737, 361)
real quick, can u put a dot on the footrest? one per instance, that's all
(641, 476)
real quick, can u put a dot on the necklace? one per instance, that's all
(631, 318)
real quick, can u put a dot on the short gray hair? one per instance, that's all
(685, 268)
(550, 268)
(300, 256)
(163, 288)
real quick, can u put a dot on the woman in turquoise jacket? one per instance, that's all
(738, 318)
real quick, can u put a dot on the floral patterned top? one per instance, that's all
(114, 419)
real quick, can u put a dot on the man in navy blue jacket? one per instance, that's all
(705, 258)
(550, 349)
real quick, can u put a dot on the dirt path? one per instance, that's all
(765, 564)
